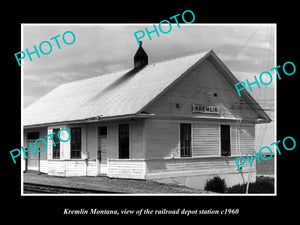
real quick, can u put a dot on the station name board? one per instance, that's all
(205, 109)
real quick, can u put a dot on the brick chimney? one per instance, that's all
(140, 57)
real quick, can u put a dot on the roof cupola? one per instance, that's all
(140, 57)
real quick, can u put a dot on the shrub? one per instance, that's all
(262, 185)
(215, 184)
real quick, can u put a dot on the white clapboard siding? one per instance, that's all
(197, 88)
(70, 167)
(124, 168)
(162, 139)
(91, 168)
(56, 168)
(160, 168)
(136, 140)
(76, 168)
(206, 139)
(44, 166)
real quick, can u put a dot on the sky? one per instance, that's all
(246, 49)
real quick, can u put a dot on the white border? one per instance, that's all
(135, 24)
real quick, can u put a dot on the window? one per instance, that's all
(185, 140)
(225, 140)
(33, 135)
(75, 143)
(56, 148)
(124, 141)
(102, 131)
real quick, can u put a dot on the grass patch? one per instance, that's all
(262, 185)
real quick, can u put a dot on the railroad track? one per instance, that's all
(42, 188)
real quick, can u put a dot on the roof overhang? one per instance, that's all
(93, 120)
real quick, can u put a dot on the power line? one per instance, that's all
(240, 49)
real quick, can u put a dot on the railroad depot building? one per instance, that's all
(179, 120)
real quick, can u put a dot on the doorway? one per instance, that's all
(102, 150)
(33, 159)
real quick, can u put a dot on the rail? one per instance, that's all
(42, 188)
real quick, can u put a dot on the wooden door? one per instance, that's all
(33, 159)
(102, 150)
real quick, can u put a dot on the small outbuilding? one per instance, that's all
(179, 120)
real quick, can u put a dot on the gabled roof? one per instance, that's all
(117, 94)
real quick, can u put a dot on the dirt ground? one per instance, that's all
(108, 184)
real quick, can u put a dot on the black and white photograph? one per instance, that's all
(159, 116)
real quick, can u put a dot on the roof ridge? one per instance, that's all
(181, 57)
(128, 69)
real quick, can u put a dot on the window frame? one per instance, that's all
(230, 139)
(120, 154)
(188, 151)
(56, 149)
(75, 153)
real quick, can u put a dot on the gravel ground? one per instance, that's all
(129, 186)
